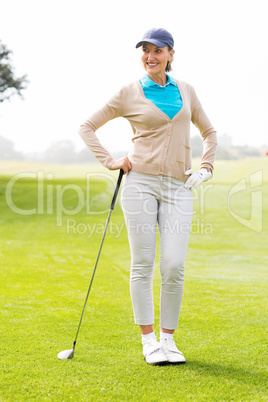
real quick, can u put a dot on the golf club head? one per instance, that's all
(66, 354)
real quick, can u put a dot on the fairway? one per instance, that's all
(52, 218)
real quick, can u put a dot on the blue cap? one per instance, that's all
(158, 37)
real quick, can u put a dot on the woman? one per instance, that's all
(157, 188)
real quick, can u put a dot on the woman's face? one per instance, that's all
(155, 58)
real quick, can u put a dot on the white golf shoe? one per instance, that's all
(172, 353)
(153, 353)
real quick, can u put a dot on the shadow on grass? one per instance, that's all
(251, 377)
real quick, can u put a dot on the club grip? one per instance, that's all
(117, 188)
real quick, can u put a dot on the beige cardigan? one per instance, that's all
(161, 146)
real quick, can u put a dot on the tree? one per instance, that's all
(7, 150)
(60, 152)
(9, 84)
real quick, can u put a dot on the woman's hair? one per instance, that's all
(168, 66)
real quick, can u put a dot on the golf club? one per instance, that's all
(69, 354)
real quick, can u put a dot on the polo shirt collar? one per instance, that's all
(147, 82)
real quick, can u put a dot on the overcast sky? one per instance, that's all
(78, 53)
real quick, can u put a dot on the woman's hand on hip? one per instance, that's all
(122, 163)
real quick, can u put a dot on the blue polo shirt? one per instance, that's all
(166, 98)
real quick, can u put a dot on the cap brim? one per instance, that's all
(155, 42)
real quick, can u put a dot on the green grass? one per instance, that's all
(45, 272)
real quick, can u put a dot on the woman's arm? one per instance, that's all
(207, 131)
(88, 130)
(112, 109)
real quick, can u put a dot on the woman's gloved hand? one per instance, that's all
(196, 178)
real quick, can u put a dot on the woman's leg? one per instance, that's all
(174, 219)
(146, 329)
(140, 208)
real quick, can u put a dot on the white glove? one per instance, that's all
(196, 178)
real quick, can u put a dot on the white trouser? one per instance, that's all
(148, 200)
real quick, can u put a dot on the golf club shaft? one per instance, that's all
(100, 248)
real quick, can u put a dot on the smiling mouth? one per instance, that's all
(152, 64)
